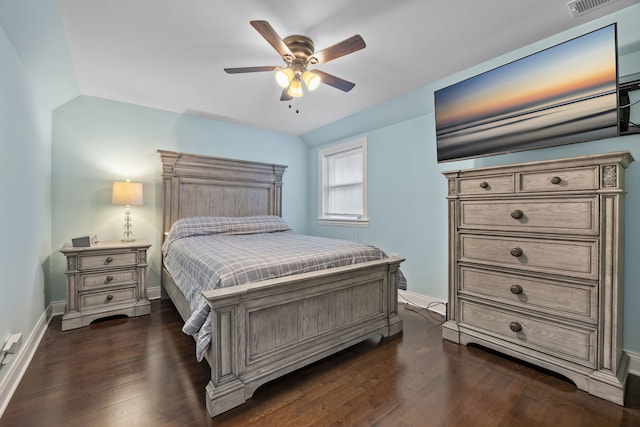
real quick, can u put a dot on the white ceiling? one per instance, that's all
(170, 54)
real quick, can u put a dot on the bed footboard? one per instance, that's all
(263, 330)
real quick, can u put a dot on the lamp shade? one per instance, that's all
(127, 193)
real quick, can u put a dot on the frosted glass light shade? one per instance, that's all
(295, 89)
(311, 80)
(284, 76)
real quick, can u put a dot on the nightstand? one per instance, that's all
(107, 279)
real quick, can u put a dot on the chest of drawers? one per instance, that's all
(535, 265)
(104, 280)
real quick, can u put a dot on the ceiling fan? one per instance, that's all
(298, 53)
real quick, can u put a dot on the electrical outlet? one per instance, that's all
(12, 343)
(5, 359)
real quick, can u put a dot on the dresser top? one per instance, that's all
(623, 158)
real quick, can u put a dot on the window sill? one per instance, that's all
(363, 222)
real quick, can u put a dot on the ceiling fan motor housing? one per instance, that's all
(301, 46)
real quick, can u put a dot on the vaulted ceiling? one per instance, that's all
(170, 54)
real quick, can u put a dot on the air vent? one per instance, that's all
(582, 7)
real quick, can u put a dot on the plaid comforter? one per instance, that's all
(205, 253)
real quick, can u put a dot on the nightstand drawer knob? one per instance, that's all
(484, 184)
(517, 214)
(517, 252)
(109, 298)
(515, 326)
(516, 289)
(556, 180)
(109, 279)
(109, 260)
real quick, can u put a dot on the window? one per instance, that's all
(343, 184)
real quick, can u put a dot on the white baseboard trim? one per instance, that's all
(22, 358)
(56, 308)
(154, 293)
(634, 363)
(422, 301)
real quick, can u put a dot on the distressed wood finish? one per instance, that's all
(263, 330)
(535, 265)
(107, 279)
(201, 185)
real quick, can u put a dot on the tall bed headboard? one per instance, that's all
(195, 185)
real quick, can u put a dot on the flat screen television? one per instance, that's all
(564, 94)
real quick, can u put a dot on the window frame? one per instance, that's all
(323, 156)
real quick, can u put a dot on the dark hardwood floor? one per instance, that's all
(142, 372)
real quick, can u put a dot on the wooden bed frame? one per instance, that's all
(266, 329)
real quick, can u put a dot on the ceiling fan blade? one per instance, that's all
(266, 30)
(345, 47)
(334, 81)
(250, 69)
(285, 95)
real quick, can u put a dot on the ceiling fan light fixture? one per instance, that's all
(295, 89)
(284, 76)
(311, 80)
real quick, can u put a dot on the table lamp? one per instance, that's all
(128, 194)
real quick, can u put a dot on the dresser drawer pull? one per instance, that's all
(484, 184)
(517, 214)
(109, 279)
(109, 260)
(516, 289)
(109, 298)
(515, 326)
(556, 180)
(517, 252)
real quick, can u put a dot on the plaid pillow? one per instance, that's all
(203, 225)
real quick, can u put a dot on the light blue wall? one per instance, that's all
(96, 142)
(25, 172)
(407, 192)
(406, 196)
(36, 31)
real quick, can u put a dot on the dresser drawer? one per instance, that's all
(88, 262)
(494, 184)
(100, 280)
(573, 258)
(560, 340)
(567, 216)
(585, 178)
(567, 299)
(107, 299)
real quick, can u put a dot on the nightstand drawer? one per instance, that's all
(100, 280)
(577, 216)
(572, 258)
(495, 184)
(88, 262)
(107, 298)
(576, 301)
(548, 337)
(585, 178)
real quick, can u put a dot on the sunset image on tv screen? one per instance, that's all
(561, 95)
